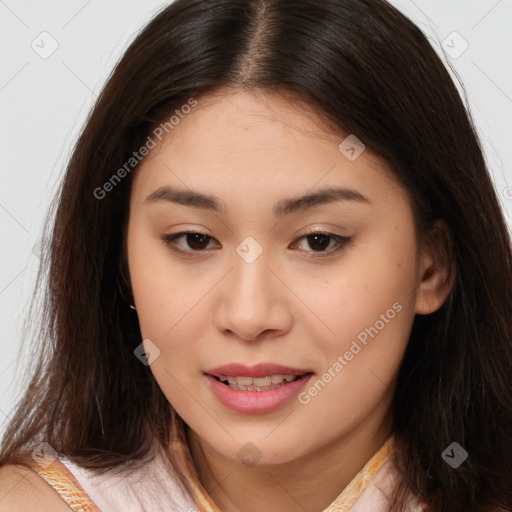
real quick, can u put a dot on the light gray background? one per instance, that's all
(44, 101)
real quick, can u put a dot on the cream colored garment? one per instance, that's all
(151, 489)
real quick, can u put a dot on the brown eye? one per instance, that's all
(197, 241)
(194, 242)
(319, 242)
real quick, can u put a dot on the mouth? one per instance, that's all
(257, 389)
(259, 377)
(244, 383)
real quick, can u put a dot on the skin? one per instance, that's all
(290, 306)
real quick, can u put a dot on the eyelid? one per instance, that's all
(341, 241)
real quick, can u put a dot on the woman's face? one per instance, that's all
(256, 289)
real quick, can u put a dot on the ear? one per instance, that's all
(437, 269)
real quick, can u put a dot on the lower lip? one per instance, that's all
(257, 402)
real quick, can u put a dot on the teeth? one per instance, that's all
(257, 383)
(244, 381)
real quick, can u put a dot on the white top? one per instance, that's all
(149, 488)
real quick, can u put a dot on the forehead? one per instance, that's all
(254, 147)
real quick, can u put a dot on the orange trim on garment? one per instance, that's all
(183, 460)
(359, 483)
(62, 480)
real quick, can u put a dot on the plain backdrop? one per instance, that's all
(55, 57)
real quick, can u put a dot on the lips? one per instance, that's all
(257, 371)
(256, 389)
(256, 399)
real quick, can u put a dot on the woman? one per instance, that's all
(279, 276)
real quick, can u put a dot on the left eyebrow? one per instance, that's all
(281, 208)
(323, 196)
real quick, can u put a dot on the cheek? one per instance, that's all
(367, 289)
(171, 308)
(164, 290)
(370, 308)
(371, 313)
(165, 296)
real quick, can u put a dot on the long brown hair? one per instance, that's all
(367, 70)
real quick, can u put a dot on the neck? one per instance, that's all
(311, 482)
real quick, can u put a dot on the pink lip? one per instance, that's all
(256, 402)
(259, 370)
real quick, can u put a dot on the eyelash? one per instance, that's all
(341, 242)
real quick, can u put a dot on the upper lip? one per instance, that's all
(258, 370)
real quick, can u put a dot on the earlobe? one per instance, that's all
(437, 269)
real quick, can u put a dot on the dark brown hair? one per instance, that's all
(367, 70)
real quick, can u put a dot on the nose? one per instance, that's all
(253, 303)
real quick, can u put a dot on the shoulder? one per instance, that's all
(22, 489)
